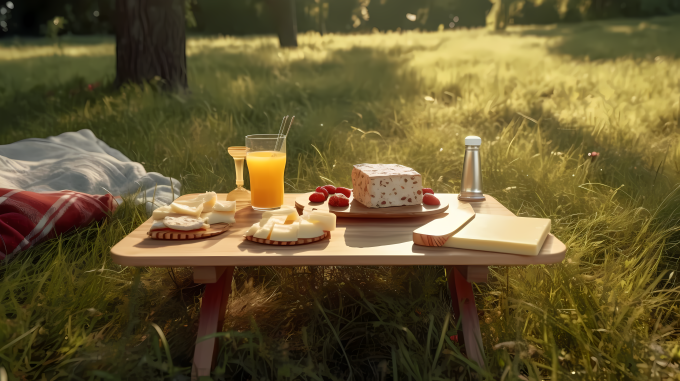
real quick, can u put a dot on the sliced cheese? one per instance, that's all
(224, 206)
(283, 211)
(325, 220)
(309, 229)
(189, 208)
(218, 217)
(503, 234)
(209, 199)
(162, 212)
(285, 233)
(157, 225)
(265, 230)
(253, 229)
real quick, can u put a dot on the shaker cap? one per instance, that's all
(473, 141)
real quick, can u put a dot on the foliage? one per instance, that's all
(542, 98)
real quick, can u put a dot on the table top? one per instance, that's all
(355, 242)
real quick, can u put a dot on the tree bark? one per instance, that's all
(150, 43)
(283, 12)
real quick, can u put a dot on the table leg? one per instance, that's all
(464, 308)
(211, 319)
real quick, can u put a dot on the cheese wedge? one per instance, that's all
(284, 211)
(224, 206)
(218, 217)
(503, 234)
(162, 212)
(285, 233)
(309, 229)
(326, 220)
(189, 208)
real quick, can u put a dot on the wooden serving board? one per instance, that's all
(301, 241)
(213, 230)
(358, 210)
(437, 232)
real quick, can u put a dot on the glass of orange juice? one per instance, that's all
(266, 159)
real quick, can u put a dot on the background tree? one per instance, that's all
(150, 42)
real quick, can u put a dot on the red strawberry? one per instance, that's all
(322, 190)
(427, 190)
(345, 191)
(430, 199)
(330, 189)
(338, 199)
(317, 197)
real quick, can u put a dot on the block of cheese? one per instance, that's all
(309, 229)
(215, 217)
(285, 233)
(503, 234)
(386, 185)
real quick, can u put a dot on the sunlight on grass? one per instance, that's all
(533, 95)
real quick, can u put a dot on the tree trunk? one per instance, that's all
(150, 43)
(284, 18)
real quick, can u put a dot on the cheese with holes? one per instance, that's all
(386, 185)
(284, 233)
(502, 234)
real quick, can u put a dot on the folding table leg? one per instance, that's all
(464, 308)
(211, 319)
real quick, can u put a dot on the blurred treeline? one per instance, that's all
(239, 17)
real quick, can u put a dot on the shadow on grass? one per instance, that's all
(645, 39)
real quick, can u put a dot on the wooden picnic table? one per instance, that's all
(355, 242)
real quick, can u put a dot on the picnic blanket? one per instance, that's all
(28, 218)
(50, 186)
(78, 161)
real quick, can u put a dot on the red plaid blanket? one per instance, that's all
(28, 218)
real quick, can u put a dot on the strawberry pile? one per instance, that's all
(339, 196)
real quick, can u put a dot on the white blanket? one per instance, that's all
(79, 161)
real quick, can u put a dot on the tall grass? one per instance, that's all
(609, 311)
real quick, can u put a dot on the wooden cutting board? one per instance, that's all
(437, 232)
(358, 210)
(213, 230)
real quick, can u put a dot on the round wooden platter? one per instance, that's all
(358, 210)
(301, 241)
(176, 235)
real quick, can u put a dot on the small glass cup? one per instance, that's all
(266, 159)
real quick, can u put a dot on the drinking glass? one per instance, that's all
(266, 159)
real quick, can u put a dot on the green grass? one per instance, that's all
(541, 98)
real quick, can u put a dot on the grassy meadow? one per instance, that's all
(541, 98)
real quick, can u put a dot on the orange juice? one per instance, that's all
(266, 170)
